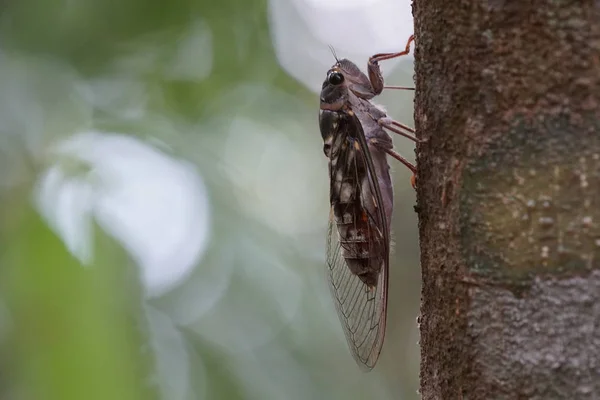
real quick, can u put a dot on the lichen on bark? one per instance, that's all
(528, 203)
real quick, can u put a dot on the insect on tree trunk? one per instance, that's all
(508, 97)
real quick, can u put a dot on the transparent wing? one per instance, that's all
(361, 308)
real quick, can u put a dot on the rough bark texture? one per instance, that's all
(508, 96)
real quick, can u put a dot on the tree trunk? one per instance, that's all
(508, 96)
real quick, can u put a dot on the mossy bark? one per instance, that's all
(507, 98)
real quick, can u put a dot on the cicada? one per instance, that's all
(358, 245)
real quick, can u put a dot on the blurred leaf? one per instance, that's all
(75, 336)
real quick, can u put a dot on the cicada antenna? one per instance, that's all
(333, 52)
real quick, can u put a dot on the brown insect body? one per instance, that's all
(355, 208)
(361, 197)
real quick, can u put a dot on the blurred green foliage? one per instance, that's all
(72, 333)
(266, 328)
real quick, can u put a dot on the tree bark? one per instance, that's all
(507, 99)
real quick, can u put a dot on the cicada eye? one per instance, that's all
(335, 78)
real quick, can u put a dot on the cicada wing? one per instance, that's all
(361, 307)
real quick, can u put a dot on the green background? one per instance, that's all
(205, 74)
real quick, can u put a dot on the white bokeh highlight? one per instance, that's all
(303, 30)
(155, 205)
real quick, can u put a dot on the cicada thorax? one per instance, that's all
(362, 241)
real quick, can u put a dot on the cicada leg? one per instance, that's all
(394, 126)
(397, 156)
(375, 72)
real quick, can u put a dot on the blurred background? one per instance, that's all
(164, 200)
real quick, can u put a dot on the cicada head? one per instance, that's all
(334, 93)
(334, 96)
(343, 77)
